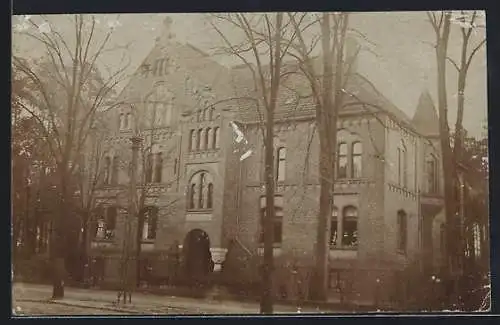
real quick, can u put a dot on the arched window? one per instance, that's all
(277, 220)
(205, 114)
(356, 164)
(350, 227)
(192, 140)
(432, 179)
(158, 167)
(334, 227)
(402, 165)
(342, 161)
(207, 138)
(215, 142)
(201, 191)
(281, 164)
(210, 195)
(402, 231)
(114, 170)
(199, 115)
(149, 168)
(198, 139)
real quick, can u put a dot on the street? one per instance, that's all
(33, 299)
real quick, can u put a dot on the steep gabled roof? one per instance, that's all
(358, 90)
(425, 120)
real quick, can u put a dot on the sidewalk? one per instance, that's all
(144, 303)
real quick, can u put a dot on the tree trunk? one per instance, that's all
(58, 242)
(448, 163)
(266, 303)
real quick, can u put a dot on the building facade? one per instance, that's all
(201, 167)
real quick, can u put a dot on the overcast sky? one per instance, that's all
(402, 67)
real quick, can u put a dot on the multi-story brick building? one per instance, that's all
(200, 175)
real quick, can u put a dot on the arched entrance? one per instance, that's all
(197, 258)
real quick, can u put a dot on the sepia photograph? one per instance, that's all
(256, 163)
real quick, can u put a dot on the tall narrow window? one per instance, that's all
(207, 138)
(402, 231)
(215, 142)
(342, 161)
(205, 114)
(128, 121)
(192, 140)
(149, 168)
(192, 196)
(432, 175)
(210, 195)
(121, 122)
(334, 227)
(158, 167)
(107, 167)
(175, 166)
(198, 139)
(201, 189)
(150, 223)
(114, 170)
(356, 165)
(281, 164)
(350, 227)
(402, 166)
(199, 115)
(399, 166)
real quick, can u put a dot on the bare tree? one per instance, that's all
(328, 84)
(265, 40)
(441, 23)
(68, 93)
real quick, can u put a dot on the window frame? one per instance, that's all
(198, 198)
(342, 157)
(280, 164)
(359, 156)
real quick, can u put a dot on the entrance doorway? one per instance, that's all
(197, 258)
